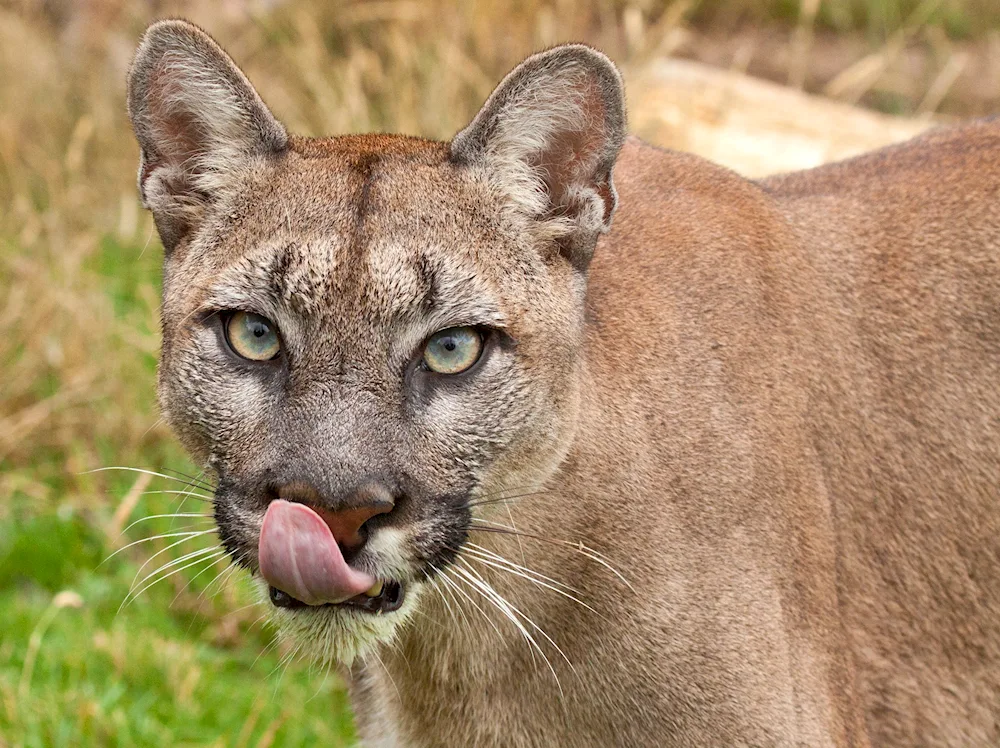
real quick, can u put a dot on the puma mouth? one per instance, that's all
(382, 597)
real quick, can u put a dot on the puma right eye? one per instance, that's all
(453, 350)
(252, 337)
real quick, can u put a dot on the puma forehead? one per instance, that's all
(556, 438)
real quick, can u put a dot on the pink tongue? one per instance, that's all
(299, 556)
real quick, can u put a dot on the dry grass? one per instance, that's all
(76, 367)
(79, 259)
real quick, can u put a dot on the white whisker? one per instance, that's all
(267, 647)
(170, 564)
(205, 554)
(160, 552)
(191, 581)
(527, 620)
(220, 579)
(326, 676)
(174, 562)
(487, 592)
(262, 617)
(394, 646)
(192, 494)
(492, 555)
(187, 534)
(189, 491)
(451, 612)
(600, 559)
(512, 568)
(283, 664)
(165, 516)
(148, 472)
(454, 585)
(512, 614)
(579, 547)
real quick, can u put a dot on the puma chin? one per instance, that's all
(341, 633)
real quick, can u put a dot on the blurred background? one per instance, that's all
(121, 627)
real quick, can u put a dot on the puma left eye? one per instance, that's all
(252, 337)
(453, 350)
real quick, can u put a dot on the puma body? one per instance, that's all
(743, 437)
(790, 436)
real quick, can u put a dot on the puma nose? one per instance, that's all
(345, 518)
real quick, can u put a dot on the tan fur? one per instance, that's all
(772, 407)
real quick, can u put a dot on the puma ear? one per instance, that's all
(548, 137)
(199, 123)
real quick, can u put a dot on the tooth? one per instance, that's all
(375, 590)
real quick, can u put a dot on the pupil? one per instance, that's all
(449, 345)
(259, 330)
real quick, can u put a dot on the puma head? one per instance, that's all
(384, 330)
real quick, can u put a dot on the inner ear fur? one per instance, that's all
(199, 123)
(548, 137)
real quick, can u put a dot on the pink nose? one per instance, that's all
(345, 523)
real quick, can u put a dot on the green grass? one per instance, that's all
(147, 675)
(190, 661)
(181, 665)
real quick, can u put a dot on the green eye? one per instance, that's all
(453, 350)
(252, 336)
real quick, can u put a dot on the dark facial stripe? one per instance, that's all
(364, 169)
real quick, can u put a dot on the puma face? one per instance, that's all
(369, 338)
(397, 371)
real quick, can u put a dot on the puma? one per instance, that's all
(551, 437)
